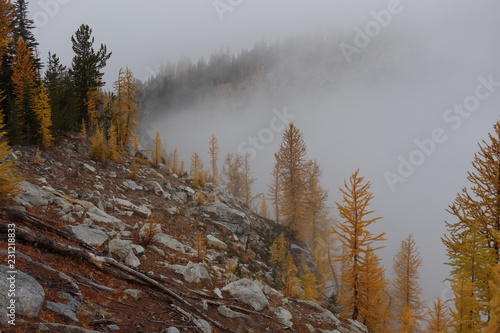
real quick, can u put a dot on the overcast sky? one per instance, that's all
(444, 54)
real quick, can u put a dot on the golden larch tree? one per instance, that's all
(175, 162)
(9, 178)
(213, 150)
(127, 113)
(353, 233)
(466, 315)
(438, 317)
(92, 103)
(274, 192)
(98, 146)
(24, 83)
(493, 325)
(158, 150)
(472, 243)
(406, 289)
(6, 17)
(196, 170)
(41, 107)
(234, 178)
(408, 324)
(248, 180)
(291, 158)
(264, 209)
(375, 312)
(310, 286)
(316, 205)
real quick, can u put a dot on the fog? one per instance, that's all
(402, 87)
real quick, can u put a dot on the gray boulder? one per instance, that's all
(29, 295)
(232, 219)
(63, 310)
(216, 243)
(88, 235)
(248, 292)
(169, 242)
(141, 211)
(284, 317)
(32, 195)
(124, 249)
(227, 312)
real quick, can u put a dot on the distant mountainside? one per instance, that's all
(270, 74)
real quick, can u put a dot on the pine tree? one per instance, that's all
(86, 67)
(157, 152)
(406, 290)
(291, 158)
(438, 317)
(41, 107)
(61, 95)
(466, 317)
(24, 81)
(22, 28)
(493, 325)
(9, 178)
(358, 241)
(472, 243)
(213, 150)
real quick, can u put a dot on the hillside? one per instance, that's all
(83, 263)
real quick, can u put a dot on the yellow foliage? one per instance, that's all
(98, 150)
(465, 318)
(494, 323)
(309, 286)
(213, 150)
(200, 246)
(133, 170)
(38, 157)
(291, 281)
(42, 109)
(407, 321)
(200, 198)
(9, 178)
(157, 152)
(83, 129)
(151, 231)
(438, 318)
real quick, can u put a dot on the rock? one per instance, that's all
(227, 312)
(169, 242)
(141, 211)
(112, 174)
(123, 249)
(357, 327)
(216, 243)
(173, 210)
(99, 215)
(187, 189)
(284, 317)
(310, 328)
(191, 272)
(232, 219)
(73, 304)
(144, 231)
(218, 293)
(203, 324)
(135, 293)
(155, 187)
(171, 330)
(89, 168)
(132, 185)
(88, 235)
(181, 196)
(138, 250)
(132, 260)
(63, 310)
(32, 195)
(248, 292)
(113, 327)
(29, 295)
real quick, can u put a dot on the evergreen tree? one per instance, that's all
(406, 290)
(86, 67)
(22, 28)
(358, 242)
(61, 95)
(25, 125)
